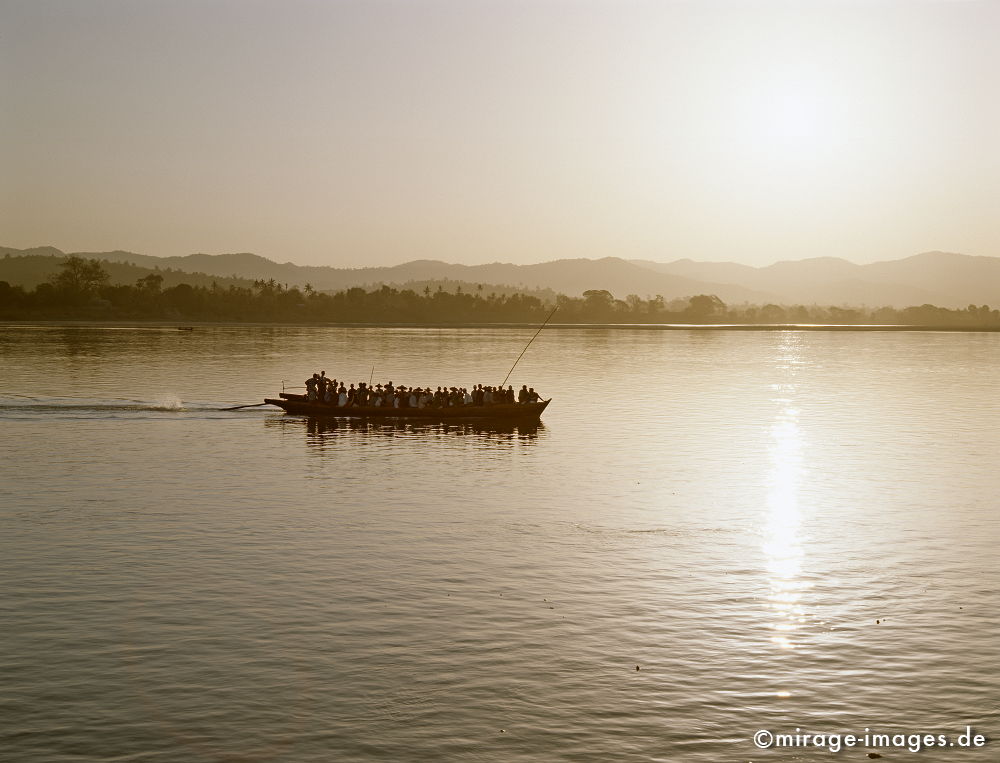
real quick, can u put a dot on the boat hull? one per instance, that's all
(521, 412)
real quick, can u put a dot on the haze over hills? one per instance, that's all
(940, 278)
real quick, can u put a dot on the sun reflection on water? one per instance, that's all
(782, 523)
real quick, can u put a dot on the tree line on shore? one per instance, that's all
(81, 291)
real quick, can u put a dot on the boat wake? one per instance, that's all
(13, 405)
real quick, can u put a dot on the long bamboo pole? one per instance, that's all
(527, 346)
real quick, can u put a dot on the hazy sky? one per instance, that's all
(370, 132)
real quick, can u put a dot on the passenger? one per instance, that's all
(532, 395)
(509, 395)
(352, 395)
(341, 396)
(311, 385)
(466, 396)
(522, 395)
(413, 397)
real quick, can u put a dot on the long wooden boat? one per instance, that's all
(518, 412)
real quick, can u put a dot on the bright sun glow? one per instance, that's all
(796, 117)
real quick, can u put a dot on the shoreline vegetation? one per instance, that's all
(80, 293)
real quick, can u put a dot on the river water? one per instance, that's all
(710, 534)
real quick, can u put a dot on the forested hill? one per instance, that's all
(30, 267)
(564, 276)
(942, 278)
(30, 270)
(81, 290)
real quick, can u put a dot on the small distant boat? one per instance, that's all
(517, 412)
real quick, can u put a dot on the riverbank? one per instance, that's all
(192, 325)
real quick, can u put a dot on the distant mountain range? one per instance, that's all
(940, 278)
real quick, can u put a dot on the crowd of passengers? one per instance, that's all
(319, 388)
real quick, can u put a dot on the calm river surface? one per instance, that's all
(780, 529)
